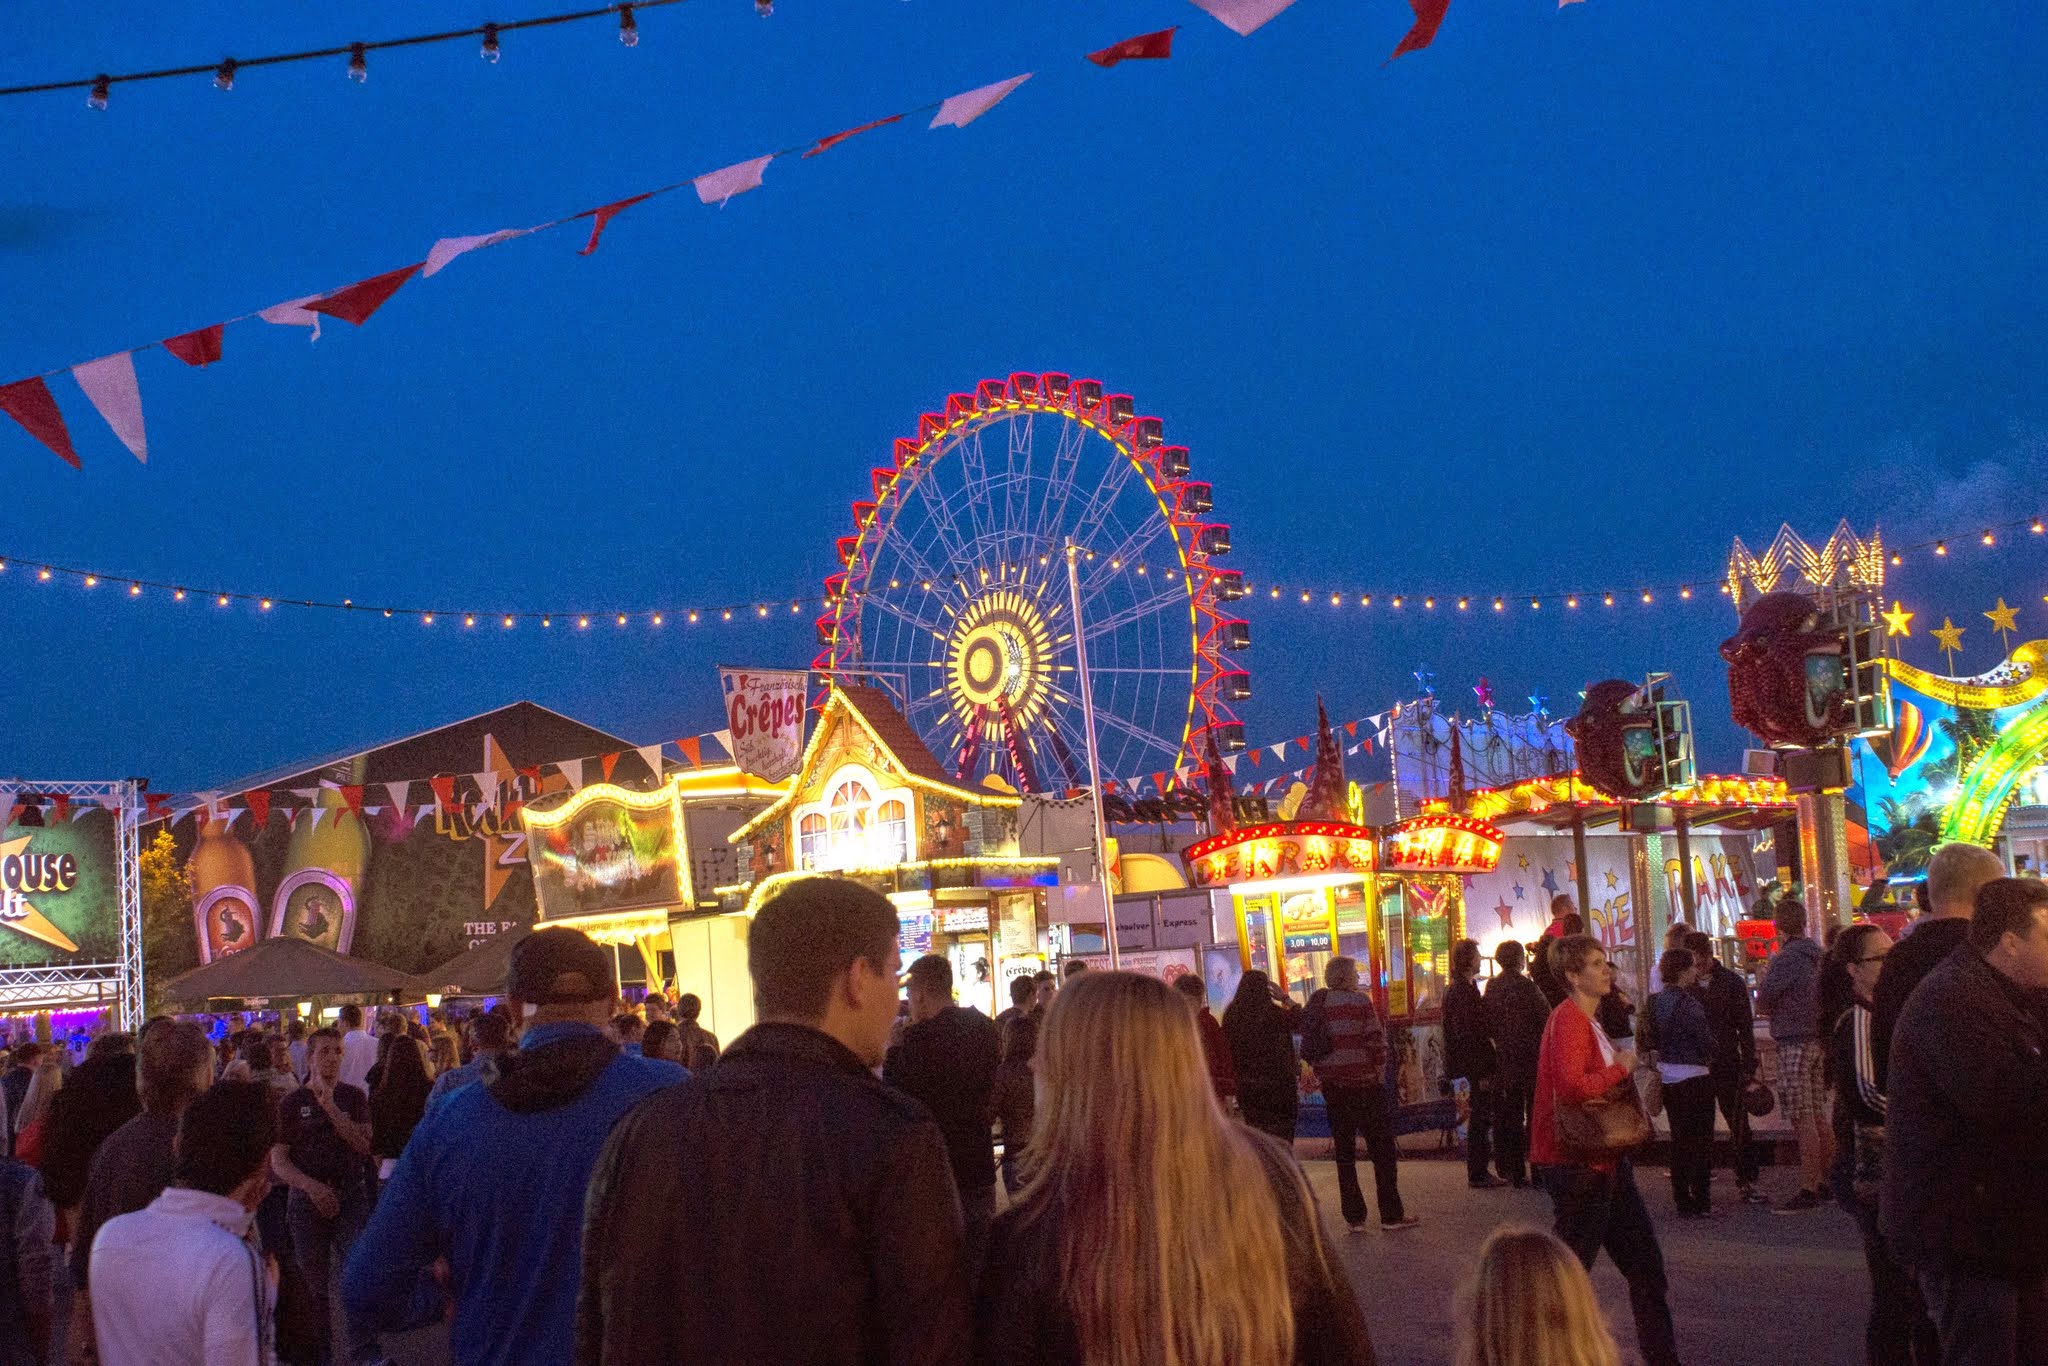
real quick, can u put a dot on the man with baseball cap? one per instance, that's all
(493, 1179)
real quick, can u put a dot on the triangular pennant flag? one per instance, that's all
(1230, 764)
(835, 139)
(650, 755)
(1429, 16)
(61, 804)
(399, 791)
(609, 762)
(572, 769)
(110, 383)
(960, 110)
(486, 786)
(444, 788)
(258, 802)
(1368, 745)
(1351, 728)
(154, 804)
(1144, 47)
(29, 402)
(1280, 750)
(1252, 755)
(1301, 740)
(448, 248)
(724, 738)
(294, 314)
(715, 187)
(531, 772)
(197, 348)
(352, 793)
(311, 815)
(692, 748)
(355, 303)
(603, 215)
(1243, 17)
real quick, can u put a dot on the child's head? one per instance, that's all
(1528, 1302)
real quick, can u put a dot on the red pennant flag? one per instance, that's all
(1429, 15)
(1145, 45)
(156, 804)
(513, 808)
(608, 763)
(352, 793)
(62, 805)
(258, 803)
(1368, 746)
(1351, 728)
(692, 748)
(355, 303)
(444, 788)
(838, 138)
(1302, 740)
(603, 216)
(1252, 755)
(29, 402)
(531, 772)
(1159, 782)
(197, 348)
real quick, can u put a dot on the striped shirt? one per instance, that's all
(1359, 1055)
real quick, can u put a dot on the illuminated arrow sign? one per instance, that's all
(22, 875)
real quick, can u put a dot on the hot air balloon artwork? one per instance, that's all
(1908, 741)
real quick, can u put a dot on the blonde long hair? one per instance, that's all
(1171, 1247)
(1529, 1302)
(43, 1085)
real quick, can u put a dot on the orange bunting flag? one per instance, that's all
(837, 138)
(258, 802)
(352, 793)
(608, 763)
(1429, 16)
(29, 402)
(692, 748)
(355, 303)
(1146, 46)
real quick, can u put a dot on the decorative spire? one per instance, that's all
(1222, 797)
(1325, 800)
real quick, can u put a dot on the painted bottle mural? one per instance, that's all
(323, 872)
(223, 892)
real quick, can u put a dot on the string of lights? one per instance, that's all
(99, 88)
(1253, 588)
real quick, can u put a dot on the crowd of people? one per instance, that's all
(565, 1178)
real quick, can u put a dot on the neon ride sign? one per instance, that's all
(1443, 844)
(1289, 849)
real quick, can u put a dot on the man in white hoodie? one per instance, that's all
(183, 1282)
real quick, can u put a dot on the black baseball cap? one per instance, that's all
(560, 967)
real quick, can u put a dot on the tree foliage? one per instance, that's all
(168, 947)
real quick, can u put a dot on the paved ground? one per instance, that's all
(1747, 1288)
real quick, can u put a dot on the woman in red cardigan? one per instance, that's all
(1596, 1204)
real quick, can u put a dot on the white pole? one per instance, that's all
(1094, 762)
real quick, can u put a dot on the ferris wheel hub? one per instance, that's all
(999, 655)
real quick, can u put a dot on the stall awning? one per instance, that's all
(286, 967)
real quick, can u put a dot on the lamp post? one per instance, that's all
(1088, 733)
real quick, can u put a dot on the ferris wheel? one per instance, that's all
(954, 586)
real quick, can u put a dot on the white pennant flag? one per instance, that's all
(1230, 763)
(487, 785)
(572, 769)
(650, 755)
(399, 792)
(313, 814)
(294, 314)
(724, 738)
(963, 109)
(110, 383)
(716, 187)
(448, 248)
(1279, 750)
(1242, 17)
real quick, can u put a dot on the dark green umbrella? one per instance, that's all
(481, 971)
(284, 967)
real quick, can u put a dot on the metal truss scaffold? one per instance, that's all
(83, 985)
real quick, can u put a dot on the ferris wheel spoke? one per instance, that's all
(938, 512)
(1126, 550)
(912, 619)
(1017, 490)
(1094, 627)
(1059, 480)
(1101, 499)
(974, 465)
(1151, 742)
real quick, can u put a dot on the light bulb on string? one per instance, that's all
(1397, 599)
(43, 575)
(508, 623)
(1896, 561)
(2036, 527)
(1607, 599)
(96, 98)
(1572, 601)
(726, 615)
(1535, 606)
(1685, 593)
(224, 75)
(764, 8)
(657, 618)
(427, 619)
(761, 611)
(358, 63)
(1646, 595)
(469, 621)
(1334, 599)
(1989, 539)
(92, 580)
(693, 618)
(490, 52)
(546, 622)
(622, 618)
(134, 590)
(1499, 605)
(583, 623)
(1941, 547)
(629, 27)
(266, 604)
(1463, 603)
(178, 595)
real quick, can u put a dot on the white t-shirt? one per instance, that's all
(358, 1056)
(179, 1284)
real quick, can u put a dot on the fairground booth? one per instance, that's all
(871, 803)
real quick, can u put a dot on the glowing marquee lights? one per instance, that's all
(1287, 849)
(1443, 844)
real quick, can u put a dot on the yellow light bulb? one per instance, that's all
(91, 580)
(657, 618)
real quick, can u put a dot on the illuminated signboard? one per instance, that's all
(59, 898)
(1290, 849)
(1443, 844)
(609, 849)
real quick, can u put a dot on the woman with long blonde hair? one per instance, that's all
(1529, 1302)
(32, 1125)
(1152, 1229)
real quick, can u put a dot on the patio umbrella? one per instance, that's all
(480, 971)
(288, 967)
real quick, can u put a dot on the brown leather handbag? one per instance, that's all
(1610, 1125)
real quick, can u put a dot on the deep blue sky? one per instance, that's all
(1569, 299)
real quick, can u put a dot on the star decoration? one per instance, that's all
(1539, 704)
(1549, 882)
(1948, 635)
(2002, 617)
(1612, 880)
(1519, 891)
(1524, 859)
(1483, 690)
(1506, 914)
(1898, 621)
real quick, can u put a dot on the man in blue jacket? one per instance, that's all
(1790, 996)
(493, 1180)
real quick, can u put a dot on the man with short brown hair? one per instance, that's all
(1954, 874)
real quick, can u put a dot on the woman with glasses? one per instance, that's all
(1899, 1332)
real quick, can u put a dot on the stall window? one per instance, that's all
(1394, 961)
(890, 835)
(810, 840)
(1429, 944)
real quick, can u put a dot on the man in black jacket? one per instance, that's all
(785, 1206)
(947, 1059)
(1732, 1025)
(98, 1098)
(1515, 1016)
(1953, 876)
(1965, 1198)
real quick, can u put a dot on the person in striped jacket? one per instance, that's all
(1345, 1041)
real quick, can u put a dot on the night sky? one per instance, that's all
(1567, 301)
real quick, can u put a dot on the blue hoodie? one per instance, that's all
(493, 1180)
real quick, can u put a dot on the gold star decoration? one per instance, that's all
(1898, 621)
(2002, 617)
(1948, 635)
